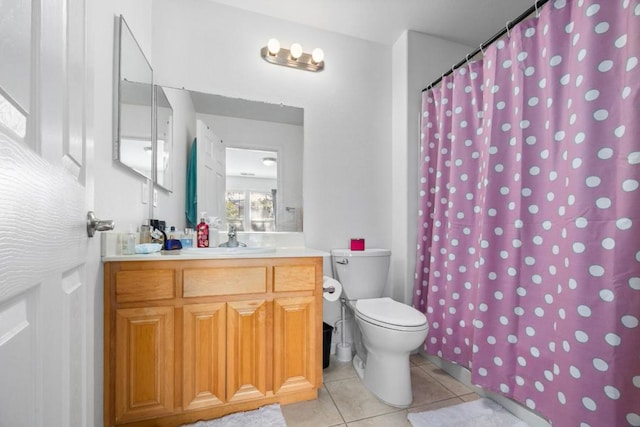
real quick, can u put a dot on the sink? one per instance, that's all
(240, 250)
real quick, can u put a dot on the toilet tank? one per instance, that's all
(363, 274)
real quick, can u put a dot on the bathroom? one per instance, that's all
(354, 154)
(360, 119)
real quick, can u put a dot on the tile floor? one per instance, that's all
(343, 400)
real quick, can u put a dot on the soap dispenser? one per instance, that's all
(202, 232)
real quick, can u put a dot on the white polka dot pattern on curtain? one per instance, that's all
(529, 230)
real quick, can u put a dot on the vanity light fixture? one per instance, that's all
(293, 57)
(268, 161)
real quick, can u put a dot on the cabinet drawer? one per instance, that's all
(144, 285)
(294, 278)
(224, 281)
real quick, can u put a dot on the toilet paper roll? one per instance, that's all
(332, 289)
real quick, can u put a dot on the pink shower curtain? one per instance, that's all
(528, 263)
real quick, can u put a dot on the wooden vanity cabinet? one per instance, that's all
(198, 339)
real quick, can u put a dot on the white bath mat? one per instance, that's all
(478, 413)
(267, 416)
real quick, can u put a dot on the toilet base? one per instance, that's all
(388, 380)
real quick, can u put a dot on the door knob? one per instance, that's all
(94, 224)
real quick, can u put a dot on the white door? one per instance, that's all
(48, 266)
(211, 172)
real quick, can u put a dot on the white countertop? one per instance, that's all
(180, 255)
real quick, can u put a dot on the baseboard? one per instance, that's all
(463, 375)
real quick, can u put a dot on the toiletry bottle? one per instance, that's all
(202, 232)
(187, 238)
(145, 233)
(214, 230)
(130, 243)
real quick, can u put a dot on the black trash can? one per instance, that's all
(326, 344)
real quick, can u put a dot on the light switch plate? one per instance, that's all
(145, 193)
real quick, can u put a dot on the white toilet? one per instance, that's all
(386, 331)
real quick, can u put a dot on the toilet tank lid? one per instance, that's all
(366, 252)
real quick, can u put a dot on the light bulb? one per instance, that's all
(317, 55)
(274, 46)
(296, 50)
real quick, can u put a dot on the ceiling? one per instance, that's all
(469, 22)
(242, 162)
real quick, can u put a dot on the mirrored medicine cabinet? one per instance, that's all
(133, 104)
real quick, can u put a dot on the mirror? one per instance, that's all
(164, 141)
(233, 137)
(133, 104)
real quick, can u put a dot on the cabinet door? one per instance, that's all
(246, 350)
(204, 355)
(294, 344)
(144, 363)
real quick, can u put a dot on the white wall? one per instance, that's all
(417, 60)
(212, 48)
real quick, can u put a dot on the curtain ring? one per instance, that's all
(537, 10)
(482, 50)
(507, 27)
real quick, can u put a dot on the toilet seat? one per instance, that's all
(390, 314)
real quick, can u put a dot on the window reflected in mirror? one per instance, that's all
(251, 189)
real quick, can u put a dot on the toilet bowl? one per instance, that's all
(386, 331)
(390, 331)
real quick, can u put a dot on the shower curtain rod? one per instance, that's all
(536, 6)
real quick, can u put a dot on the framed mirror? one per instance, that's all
(164, 141)
(133, 104)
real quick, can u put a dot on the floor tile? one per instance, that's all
(343, 401)
(426, 389)
(321, 412)
(469, 397)
(417, 359)
(395, 419)
(337, 370)
(436, 405)
(445, 379)
(354, 401)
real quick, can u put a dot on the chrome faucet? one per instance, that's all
(233, 238)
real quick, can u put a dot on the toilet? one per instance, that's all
(386, 331)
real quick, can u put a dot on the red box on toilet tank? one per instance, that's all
(357, 244)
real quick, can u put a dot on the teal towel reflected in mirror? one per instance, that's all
(191, 197)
